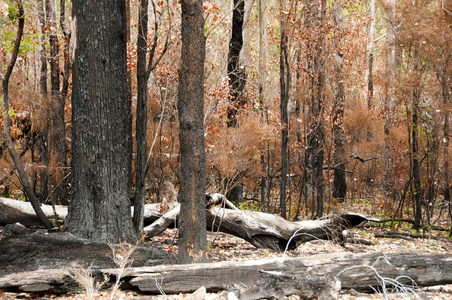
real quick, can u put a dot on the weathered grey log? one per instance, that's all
(260, 229)
(280, 285)
(15, 211)
(162, 223)
(361, 272)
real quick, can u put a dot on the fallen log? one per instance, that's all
(260, 229)
(15, 211)
(361, 272)
(264, 230)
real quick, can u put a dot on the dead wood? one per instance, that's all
(361, 272)
(409, 236)
(260, 229)
(15, 211)
(22, 250)
(264, 230)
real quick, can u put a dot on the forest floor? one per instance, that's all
(224, 247)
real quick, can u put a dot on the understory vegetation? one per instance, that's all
(369, 81)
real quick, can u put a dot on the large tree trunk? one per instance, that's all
(100, 204)
(361, 272)
(192, 227)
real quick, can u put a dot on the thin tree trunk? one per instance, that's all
(144, 68)
(284, 77)
(57, 134)
(389, 102)
(236, 72)
(43, 136)
(370, 55)
(262, 19)
(141, 116)
(339, 184)
(7, 122)
(192, 226)
(316, 136)
(415, 173)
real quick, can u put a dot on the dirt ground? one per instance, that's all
(224, 247)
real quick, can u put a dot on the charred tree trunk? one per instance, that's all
(57, 134)
(192, 227)
(284, 79)
(100, 204)
(316, 136)
(415, 172)
(370, 55)
(141, 115)
(236, 75)
(339, 184)
(236, 72)
(43, 136)
(144, 68)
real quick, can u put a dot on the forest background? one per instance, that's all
(329, 101)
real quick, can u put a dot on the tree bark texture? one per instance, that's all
(141, 115)
(57, 134)
(370, 55)
(192, 226)
(316, 136)
(236, 72)
(361, 272)
(389, 101)
(284, 79)
(43, 136)
(339, 183)
(100, 204)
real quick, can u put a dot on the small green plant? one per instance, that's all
(252, 206)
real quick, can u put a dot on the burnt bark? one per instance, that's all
(316, 136)
(284, 79)
(141, 115)
(57, 133)
(100, 205)
(192, 226)
(339, 183)
(236, 72)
